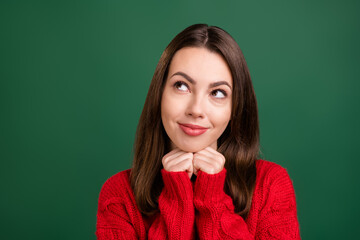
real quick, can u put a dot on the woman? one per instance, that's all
(195, 172)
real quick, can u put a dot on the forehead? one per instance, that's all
(201, 64)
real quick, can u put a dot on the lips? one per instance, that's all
(192, 130)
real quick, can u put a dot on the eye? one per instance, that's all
(218, 93)
(181, 86)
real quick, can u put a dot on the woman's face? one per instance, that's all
(196, 102)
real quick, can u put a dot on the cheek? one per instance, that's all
(172, 106)
(169, 109)
(221, 117)
(166, 114)
(223, 123)
(171, 113)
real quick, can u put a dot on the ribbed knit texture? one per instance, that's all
(201, 210)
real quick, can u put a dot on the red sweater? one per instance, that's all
(200, 210)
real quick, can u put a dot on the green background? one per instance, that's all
(74, 77)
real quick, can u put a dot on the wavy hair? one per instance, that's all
(239, 143)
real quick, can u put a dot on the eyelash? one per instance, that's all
(219, 90)
(178, 84)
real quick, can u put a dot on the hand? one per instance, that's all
(178, 161)
(209, 161)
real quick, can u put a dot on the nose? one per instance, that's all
(195, 107)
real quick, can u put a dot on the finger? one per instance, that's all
(213, 155)
(195, 171)
(216, 163)
(205, 155)
(171, 155)
(209, 157)
(210, 151)
(201, 165)
(171, 152)
(173, 162)
(185, 166)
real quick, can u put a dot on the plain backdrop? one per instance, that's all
(74, 76)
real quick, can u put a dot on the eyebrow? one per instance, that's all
(192, 81)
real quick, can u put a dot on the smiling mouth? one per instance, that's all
(192, 130)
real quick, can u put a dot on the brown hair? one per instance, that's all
(239, 143)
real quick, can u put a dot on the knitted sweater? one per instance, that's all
(201, 210)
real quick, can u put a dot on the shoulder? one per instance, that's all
(116, 187)
(266, 169)
(116, 184)
(272, 178)
(118, 179)
(273, 210)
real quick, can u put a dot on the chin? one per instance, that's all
(191, 148)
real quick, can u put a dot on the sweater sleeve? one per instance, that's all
(216, 219)
(278, 216)
(117, 216)
(177, 216)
